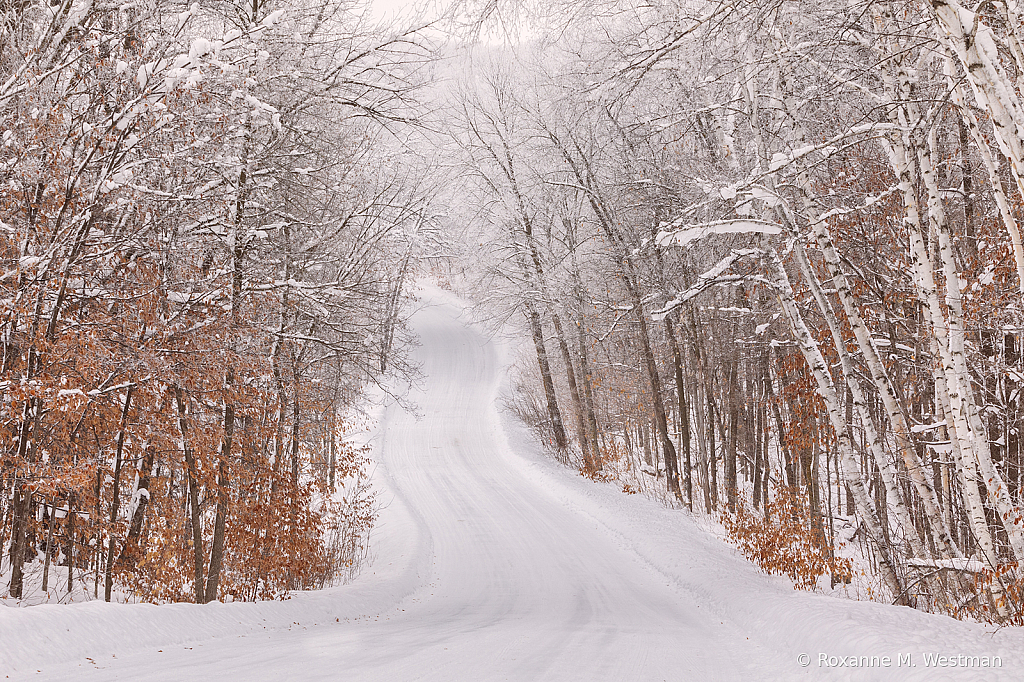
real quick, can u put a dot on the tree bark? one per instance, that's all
(115, 496)
(198, 553)
(554, 414)
(574, 391)
(19, 539)
(130, 552)
(220, 522)
(712, 448)
(731, 482)
(49, 544)
(71, 548)
(826, 389)
(684, 412)
(660, 418)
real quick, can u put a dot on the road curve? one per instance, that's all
(492, 563)
(521, 587)
(504, 580)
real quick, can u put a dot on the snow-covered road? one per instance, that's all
(494, 564)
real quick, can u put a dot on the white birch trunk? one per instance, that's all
(1009, 222)
(1011, 17)
(887, 471)
(969, 490)
(974, 44)
(826, 389)
(956, 384)
(998, 492)
(957, 380)
(880, 377)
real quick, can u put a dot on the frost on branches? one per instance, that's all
(787, 237)
(196, 242)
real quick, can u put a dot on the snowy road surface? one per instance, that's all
(494, 564)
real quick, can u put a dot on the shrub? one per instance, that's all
(783, 541)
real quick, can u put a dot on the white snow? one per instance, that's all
(690, 233)
(957, 564)
(494, 563)
(273, 17)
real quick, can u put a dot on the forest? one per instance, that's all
(765, 255)
(204, 246)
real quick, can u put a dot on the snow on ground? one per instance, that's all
(494, 563)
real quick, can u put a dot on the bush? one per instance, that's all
(783, 541)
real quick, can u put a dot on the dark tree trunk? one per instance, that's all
(574, 392)
(766, 462)
(293, 522)
(19, 538)
(537, 330)
(699, 414)
(22, 496)
(220, 522)
(660, 419)
(333, 454)
(130, 553)
(786, 455)
(115, 497)
(684, 412)
(587, 393)
(712, 457)
(759, 440)
(51, 515)
(810, 474)
(193, 499)
(71, 547)
(731, 482)
(645, 439)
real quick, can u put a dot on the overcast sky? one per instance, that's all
(383, 7)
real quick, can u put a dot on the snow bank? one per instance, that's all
(50, 634)
(767, 608)
(494, 562)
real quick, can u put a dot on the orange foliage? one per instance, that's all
(782, 541)
(106, 290)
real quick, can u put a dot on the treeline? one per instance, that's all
(203, 245)
(770, 255)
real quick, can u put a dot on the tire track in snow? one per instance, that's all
(493, 567)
